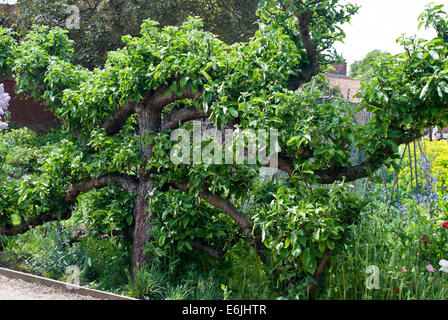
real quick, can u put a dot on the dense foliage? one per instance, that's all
(103, 23)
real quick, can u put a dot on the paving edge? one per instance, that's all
(64, 286)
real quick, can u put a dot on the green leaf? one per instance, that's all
(322, 246)
(292, 141)
(287, 243)
(316, 235)
(426, 88)
(207, 76)
(312, 265)
(297, 252)
(162, 240)
(233, 112)
(306, 256)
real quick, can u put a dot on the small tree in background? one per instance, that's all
(362, 68)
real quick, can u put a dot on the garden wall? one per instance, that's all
(27, 113)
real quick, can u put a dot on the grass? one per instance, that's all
(392, 241)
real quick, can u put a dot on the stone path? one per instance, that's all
(11, 289)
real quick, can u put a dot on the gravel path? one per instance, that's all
(11, 289)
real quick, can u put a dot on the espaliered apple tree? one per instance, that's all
(119, 119)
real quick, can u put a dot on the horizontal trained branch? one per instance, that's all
(181, 115)
(115, 121)
(367, 167)
(128, 183)
(11, 230)
(160, 99)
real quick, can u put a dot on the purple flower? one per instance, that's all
(430, 268)
(4, 98)
(4, 102)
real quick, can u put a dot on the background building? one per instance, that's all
(27, 113)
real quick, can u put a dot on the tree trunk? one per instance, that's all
(142, 223)
(149, 121)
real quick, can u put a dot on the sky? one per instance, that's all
(379, 23)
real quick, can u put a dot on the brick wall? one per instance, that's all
(27, 113)
(340, 68)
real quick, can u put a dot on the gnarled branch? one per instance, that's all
(128, 183)
(200, 244)
(160, 98)
(155, 100)
(115, 122)
(351, 173)
(11, 230)
(182, 115)
(328, 176)
(312, 66)
(243, 222)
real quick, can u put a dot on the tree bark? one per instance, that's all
(202, 245)
(312, 288)
(115, 121)
(142, 223)
(182, 115)
(149, 122)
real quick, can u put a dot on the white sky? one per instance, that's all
(379, 23)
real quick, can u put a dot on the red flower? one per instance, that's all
(396, 290)
(425, 240)
(445, 225)
(325, 215)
